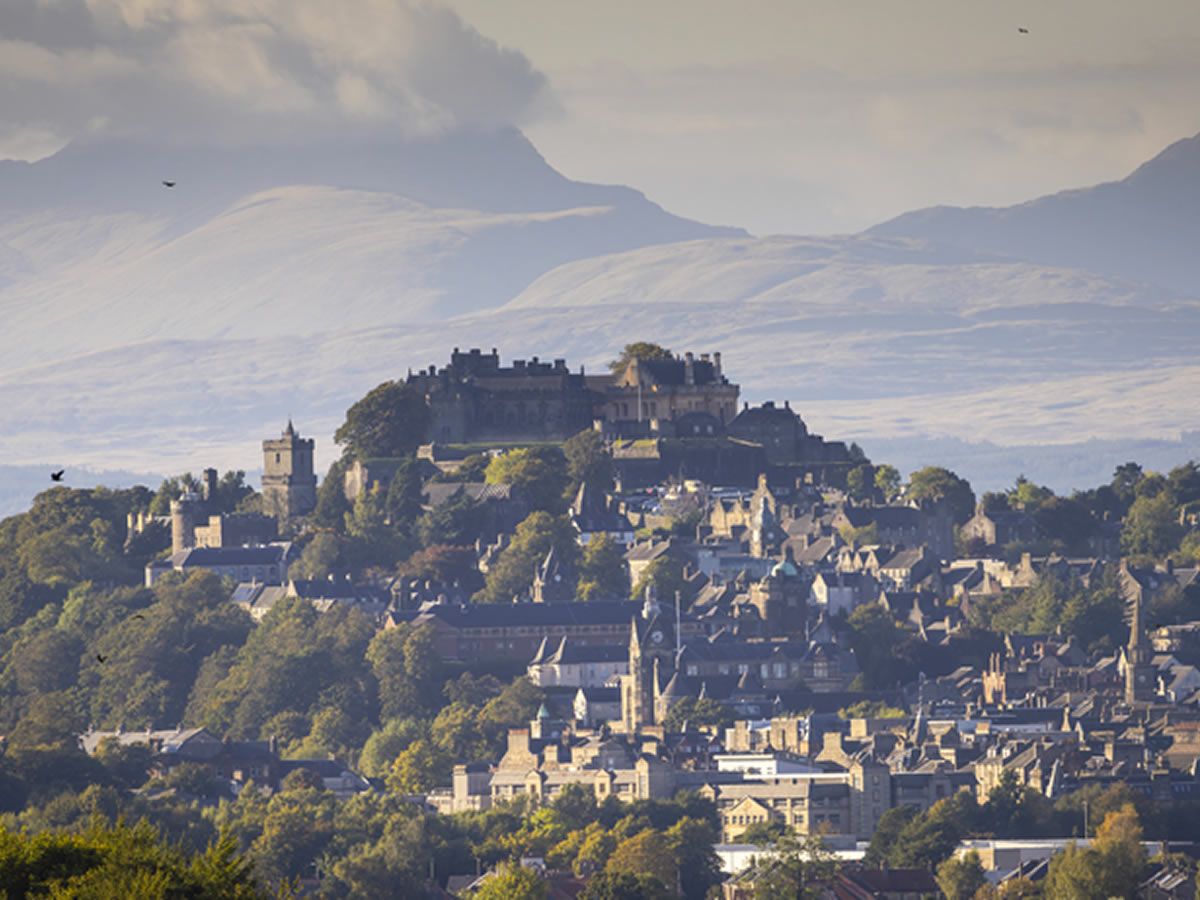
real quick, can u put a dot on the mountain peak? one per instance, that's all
(1144, 227)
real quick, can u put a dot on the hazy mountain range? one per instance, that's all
(148, 328)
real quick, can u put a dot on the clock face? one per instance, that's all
(656, 637)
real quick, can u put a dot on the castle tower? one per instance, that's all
(289, 485)
(1140, 677)
(183, 522)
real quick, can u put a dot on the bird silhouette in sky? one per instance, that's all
(100, 658)
(1023, 31)
(169, 184)
(58, 476)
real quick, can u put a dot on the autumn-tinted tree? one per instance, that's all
(645, 853)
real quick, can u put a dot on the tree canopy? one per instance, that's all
(390, 421)
(638, 350)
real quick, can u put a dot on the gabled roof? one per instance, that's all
(889, 517)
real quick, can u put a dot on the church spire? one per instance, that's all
(1137, 638)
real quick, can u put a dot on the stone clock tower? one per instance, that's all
(653, 646)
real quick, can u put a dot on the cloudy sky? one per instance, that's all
(776, 115)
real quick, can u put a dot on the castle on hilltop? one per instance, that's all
(476, 399)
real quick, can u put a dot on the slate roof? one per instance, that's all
(889, 517)
(573, 652)
(511, 615)
(438, 493)
(268, 555)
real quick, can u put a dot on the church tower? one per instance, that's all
(1140, 676)
(652, 649)
(289, 485)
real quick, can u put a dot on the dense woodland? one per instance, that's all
(82, 644)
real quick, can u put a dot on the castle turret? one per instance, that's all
(183, 522)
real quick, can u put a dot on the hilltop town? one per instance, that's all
(546, 629)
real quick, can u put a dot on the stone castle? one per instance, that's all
(475, 399)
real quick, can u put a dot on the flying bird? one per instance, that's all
(58, 476)
(169, 184)
(100, 658)
(1022, 30)
(137, 616)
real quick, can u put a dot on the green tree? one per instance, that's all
(960, 877)
(513, 572)
(860, 483)
(887, 482)
(1151, 526)
(887, 833)
(871, 709)
(799, 867)
(418, 768)
(390, 421)
(638, 350)
(691, 841)
(623, 886)
(405, 496)
(603, 573)
(319, 557)
(1028, 496)
(645, 853)
(512, 882)
(443, 563)
(385, 744)
(588, 461)
(539, 473)
(875, 639)
(457, 521)
(332, 504)
(931, 837)
(934, 483)
(372, 541)
(121, 861)
(408, 669)
(698, 712)
(665, 574)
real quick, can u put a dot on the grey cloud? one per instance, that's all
(232, 71)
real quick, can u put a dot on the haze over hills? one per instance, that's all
(153, 329)
(253, 242)
(1143, 227)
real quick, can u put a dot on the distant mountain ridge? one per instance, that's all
(156, 329)
(1144, 227)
